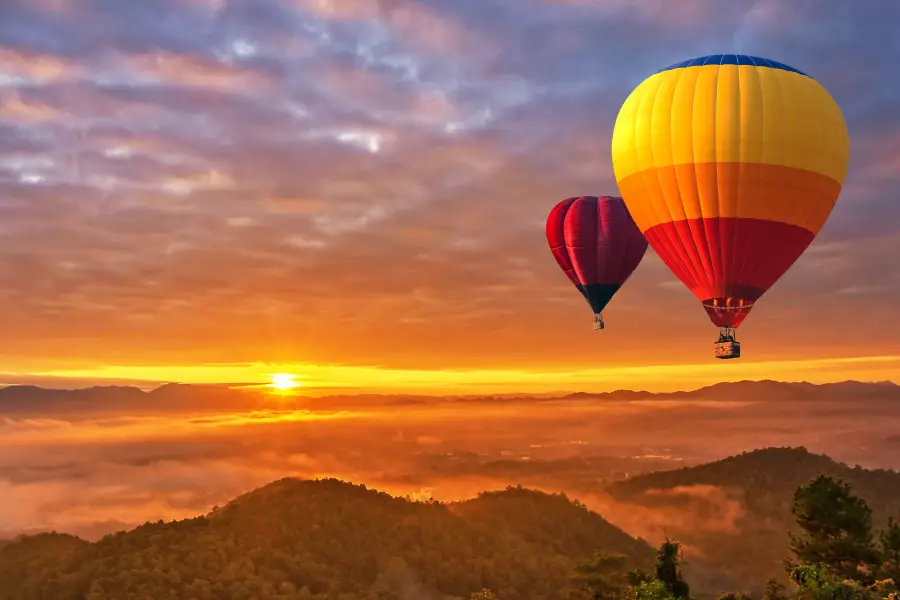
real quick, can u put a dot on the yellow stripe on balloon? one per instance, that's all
(699, 142)
(717, 113)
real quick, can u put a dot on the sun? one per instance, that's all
(284, 381)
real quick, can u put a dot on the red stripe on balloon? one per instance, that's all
(556, 237)
(728, 262)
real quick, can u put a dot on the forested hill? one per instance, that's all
(765, 481)
(328, 539)
(762, 484)
(332, 540)
(547, 522)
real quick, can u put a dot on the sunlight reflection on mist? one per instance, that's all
(94, 473)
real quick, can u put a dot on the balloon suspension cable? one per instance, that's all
(598, 321)
(726, 334)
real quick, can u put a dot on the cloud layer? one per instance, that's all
(338, 181)
(68, 467)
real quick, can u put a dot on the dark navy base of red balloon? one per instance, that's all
(598, 295)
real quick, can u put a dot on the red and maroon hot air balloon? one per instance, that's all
(598, 246)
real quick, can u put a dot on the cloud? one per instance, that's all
(147, 457)
(284, 180)
(179, 71)
(685, 511)
(415, 23)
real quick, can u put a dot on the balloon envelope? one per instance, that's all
(730, 165)
(597, 244)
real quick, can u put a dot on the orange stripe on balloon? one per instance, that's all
(730, 189)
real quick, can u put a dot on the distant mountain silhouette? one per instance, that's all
(28, 399)
(765, 390)
(23, 398)
(767, 479)
(304, 539)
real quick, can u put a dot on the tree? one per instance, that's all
(889, 540)
(885, 588)
(774, 590)
(653, 589)
(603, 577)
(735, 596)
(636, 577)
(668, 571)
(819, 582)
(836, 529)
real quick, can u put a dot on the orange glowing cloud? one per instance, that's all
(359, 196)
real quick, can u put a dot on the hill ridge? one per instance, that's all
(327, 538)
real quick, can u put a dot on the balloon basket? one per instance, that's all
(726, 346)
(598, 323)
(725, 350)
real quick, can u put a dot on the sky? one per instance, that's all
(355, 192)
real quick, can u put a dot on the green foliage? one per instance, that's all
(735, 596)
(836, 529)
(760, 486)
(774, 590)
(546, 519)
(650, 590)
(837, 556)
(636, 577)
(889, 545)
(327, 540)
(819, 582)
(668, 569)
(603, 577)
(667, 584)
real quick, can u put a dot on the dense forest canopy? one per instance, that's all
(326, 539)
(332, 540)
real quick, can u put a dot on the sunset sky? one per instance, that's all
(355, 191)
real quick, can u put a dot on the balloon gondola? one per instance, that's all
(727, 346)
(730, 166)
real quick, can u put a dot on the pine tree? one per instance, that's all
(836, 529)
(668, 569)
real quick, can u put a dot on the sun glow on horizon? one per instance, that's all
(319, 380)
(284, 381)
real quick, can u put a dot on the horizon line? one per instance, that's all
(299, 391)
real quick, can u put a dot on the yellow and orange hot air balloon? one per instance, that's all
(730, 166)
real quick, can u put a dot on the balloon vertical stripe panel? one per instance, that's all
(556, 237)
(730, 165)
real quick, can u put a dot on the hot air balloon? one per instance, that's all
(730, 166)
(597, 245)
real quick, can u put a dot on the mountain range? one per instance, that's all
(27, 399)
